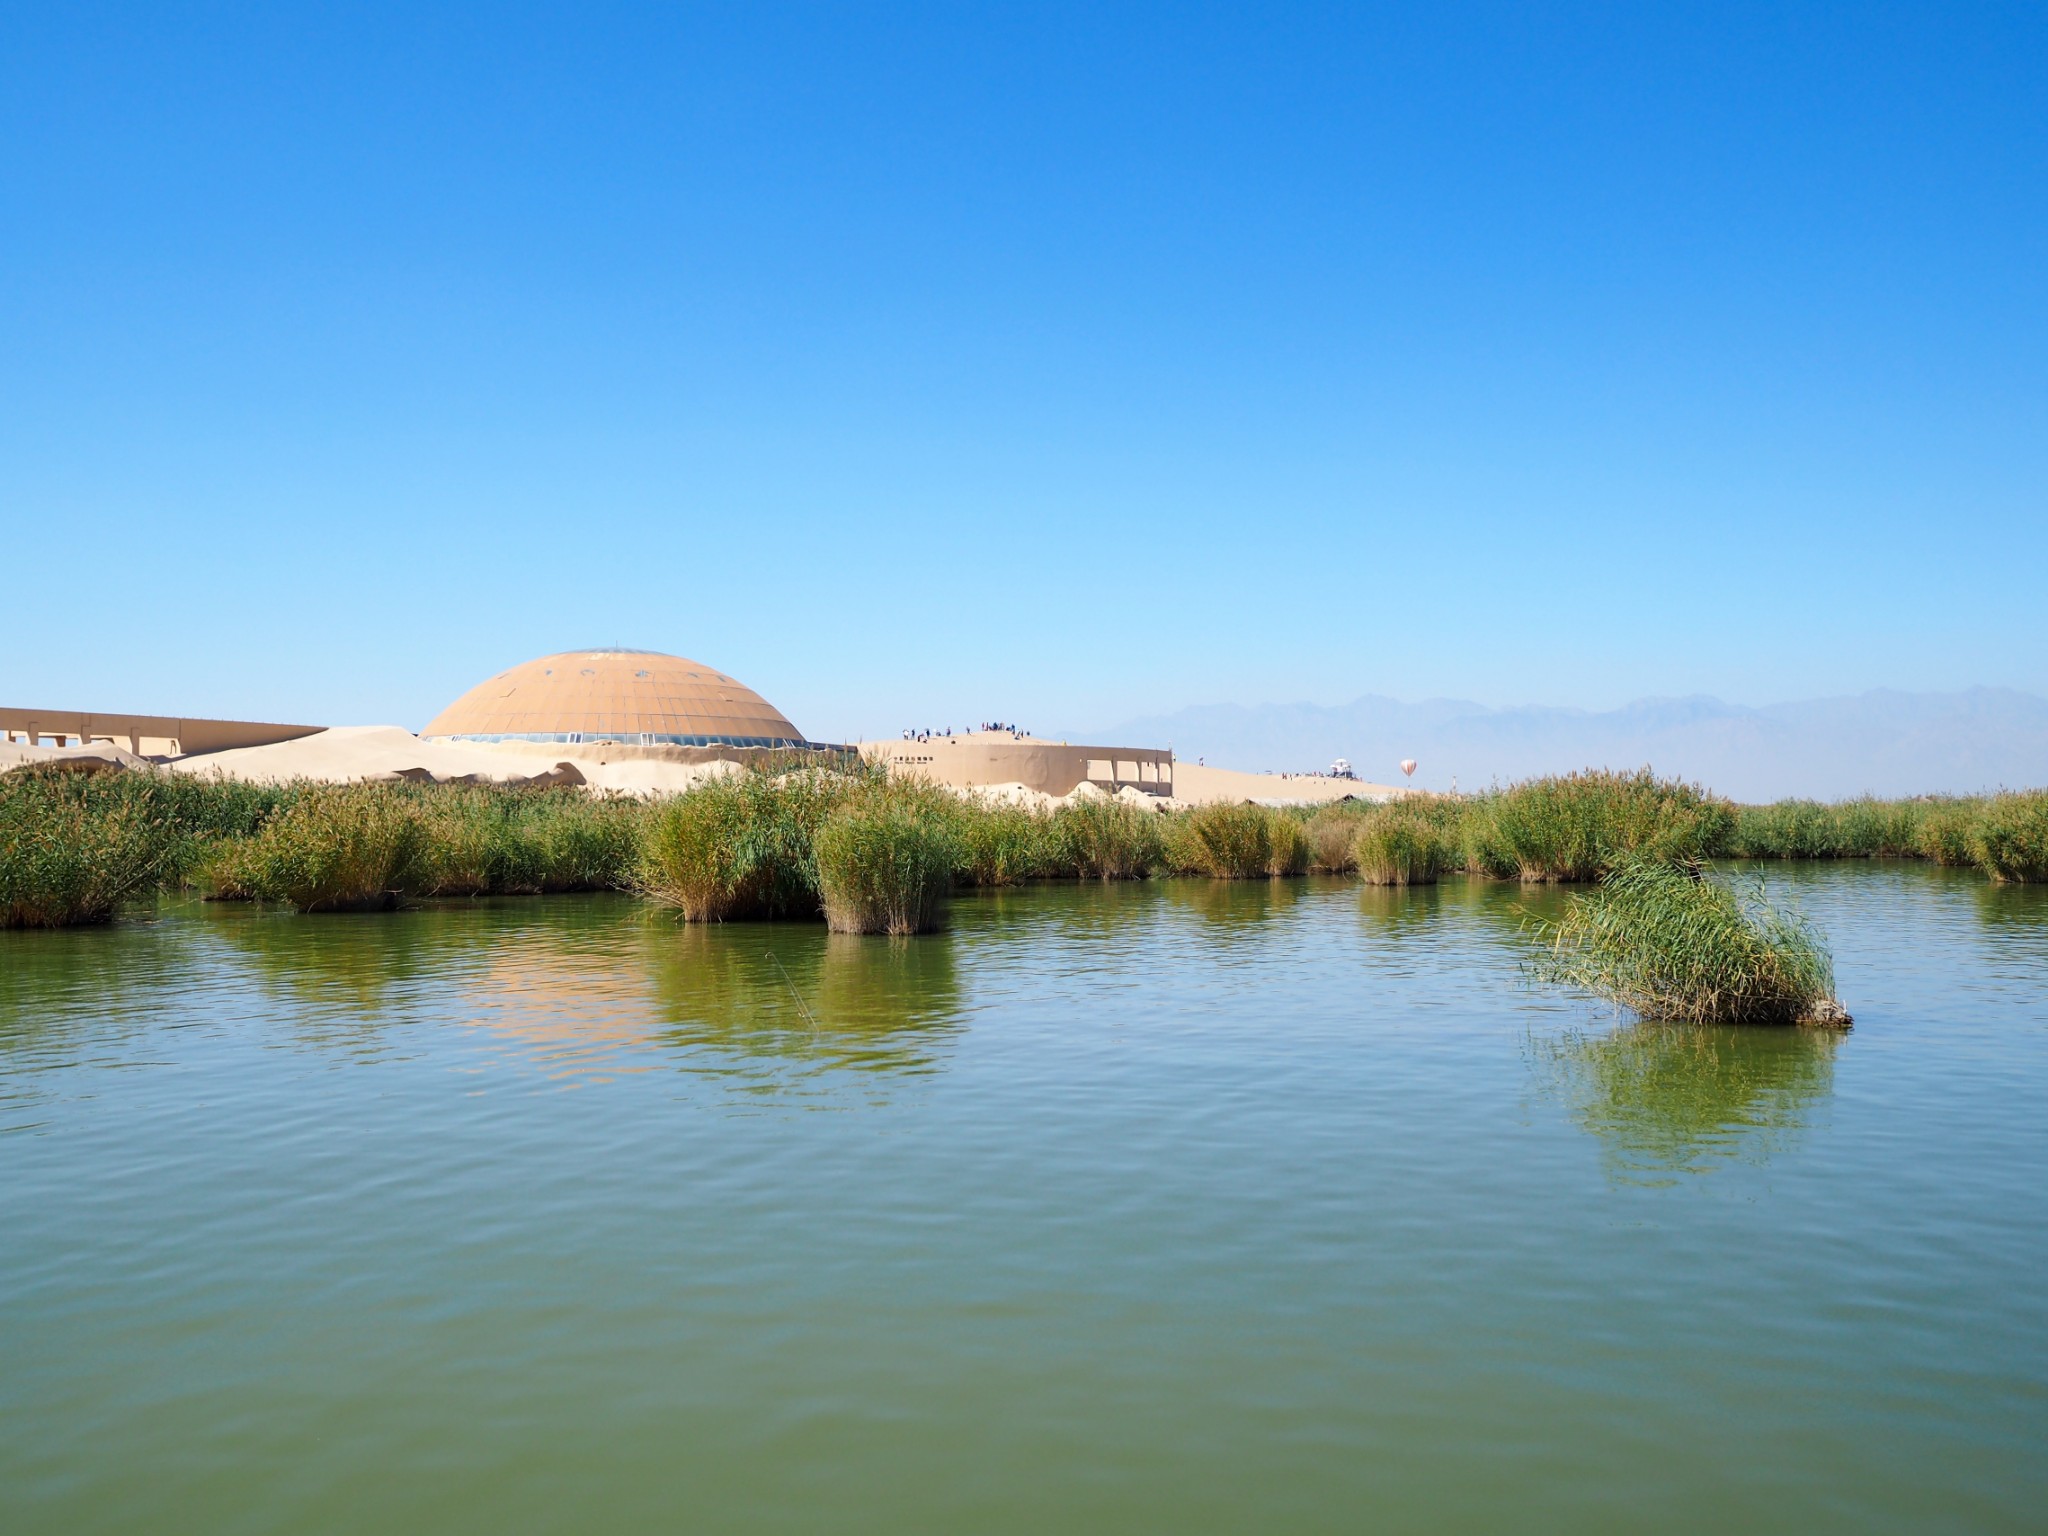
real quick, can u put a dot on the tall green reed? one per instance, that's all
(76, 847)
(1401, 844)
(1672, 942)
(885, 858)
(2009, 839)
(1579, 826)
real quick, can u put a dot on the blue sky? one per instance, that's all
(1056, 364)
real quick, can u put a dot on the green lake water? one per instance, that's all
(1172, 1207)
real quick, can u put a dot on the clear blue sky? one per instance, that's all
(1057, 364)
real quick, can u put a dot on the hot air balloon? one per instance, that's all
(1408, 766)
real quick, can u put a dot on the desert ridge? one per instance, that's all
(997, 765)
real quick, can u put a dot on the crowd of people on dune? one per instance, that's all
(987, 727)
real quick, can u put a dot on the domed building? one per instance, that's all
(636, 698)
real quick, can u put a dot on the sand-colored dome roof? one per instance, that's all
(640, 697)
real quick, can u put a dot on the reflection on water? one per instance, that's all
(348, 979)
(73, 997)
(2015, 915)
(66, 979)
(1238, 908)
(1399, 911)
(772, 991)
(1667, 1099)
(586, 987)
(1183, 1206)
(1110, 912)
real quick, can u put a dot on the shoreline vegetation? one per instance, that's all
(868, 852)
(75, 848)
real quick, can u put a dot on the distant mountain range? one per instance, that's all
(1885, 742)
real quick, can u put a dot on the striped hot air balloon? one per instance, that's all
(1408, 766)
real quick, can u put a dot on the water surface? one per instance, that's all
(1178, 1207)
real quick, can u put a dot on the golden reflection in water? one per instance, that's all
(726, 1000)
(1670, 1099)
(583, 988)
(571, 1002)
(784, 991)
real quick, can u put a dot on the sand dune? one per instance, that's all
(382, 753)
(1194, 784)
(372, 753)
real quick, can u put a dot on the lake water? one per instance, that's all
(1172, 1207)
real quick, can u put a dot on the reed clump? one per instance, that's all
(1865, 828)
(2009, 838)
(467, 845)
(1234, 841)
(1671, 942)
(1107, 839)
(885, 858)
(478, 840)
(1401, 844)
(464, 840)
(583, 842)
(76, 847)
(1291, 852)
(1333, 838)
(336, 848)
(740, 846)
(1003, 844)
(1944, 833)
(697, 854)
(1578, 826)
(212, 808)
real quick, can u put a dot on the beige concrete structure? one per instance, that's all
(988, 759)
(143, 735)
(1000, 761)
(100, 757)
(635, 698)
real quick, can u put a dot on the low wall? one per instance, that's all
(1050, 767)
(145, 735)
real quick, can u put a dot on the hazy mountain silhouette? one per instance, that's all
(1885, 742)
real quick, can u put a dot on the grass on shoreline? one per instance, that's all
(1400, 845)
(886, 858)
(1579, 826)
(2008, 839)
(356, 847)
(74, 848)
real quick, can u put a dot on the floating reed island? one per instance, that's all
(1674, 943)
